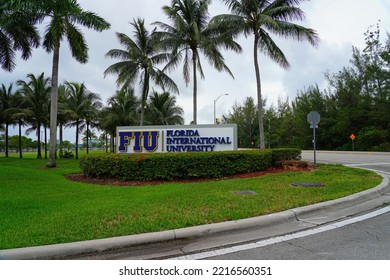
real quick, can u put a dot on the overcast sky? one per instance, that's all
(340, 24)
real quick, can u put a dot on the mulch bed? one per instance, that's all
(115, 182)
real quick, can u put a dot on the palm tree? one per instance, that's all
(17, 33)
(191, 32)
(62, 116)
(19, 115)
(162, 110)
(36, 93)
(64, 16)
(88, 135)
(80, 103)
(121, 111)
(92, 117)
(138, 61)
(263, 18)
(6, 100)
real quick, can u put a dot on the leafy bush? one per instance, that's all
(283, 154)
(369, 137)
(173, 166)
(384, 147)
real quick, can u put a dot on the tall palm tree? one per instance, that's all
(64, 16)
(191, 32)
(263, 18)
(121, 111)
(80, 103)
(17, 32)
(6, 100)
(139, 60)
(36, 93)
(162, 110)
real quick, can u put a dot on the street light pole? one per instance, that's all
(215, 101)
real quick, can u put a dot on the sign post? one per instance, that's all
(352, 136)
(313, 118)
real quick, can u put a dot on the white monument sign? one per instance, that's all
(160, 139)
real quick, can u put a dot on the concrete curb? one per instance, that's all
(58, 251)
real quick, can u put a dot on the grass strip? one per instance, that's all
(38, 206)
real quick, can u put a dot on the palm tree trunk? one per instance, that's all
(259, 96)
(87, 138)
(144, 98)
(39, 154)
(45, 129)
(20, 139)
(6, 140)
(77, 139)
(53, 106)
(112, 142)
(195, 89)
(106, 136)
(61, 139)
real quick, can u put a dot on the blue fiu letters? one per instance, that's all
(139, 140)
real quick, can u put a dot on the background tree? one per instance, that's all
(80, 103)
(121, 111)
(191, 32)
(67, 145)
(19, 115)
(88, 136)
(92, 117)
(17, 143)
(36, 93)
(139, 61)
(262, 18)
(63, 115)
(245, 116)
(7, 103)
(162, 110)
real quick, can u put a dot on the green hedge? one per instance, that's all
(173, 166)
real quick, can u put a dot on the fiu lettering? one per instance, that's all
(139, 140)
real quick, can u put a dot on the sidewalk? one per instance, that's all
(220, 234)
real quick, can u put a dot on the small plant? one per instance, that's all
(294, 164)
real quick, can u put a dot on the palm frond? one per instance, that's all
(271, 49)
(77, 43)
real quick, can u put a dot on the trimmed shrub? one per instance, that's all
(173, 166)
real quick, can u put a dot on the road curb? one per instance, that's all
(58, 251)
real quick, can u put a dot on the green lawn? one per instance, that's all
(39, 206)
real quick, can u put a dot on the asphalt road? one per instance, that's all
(365, 240)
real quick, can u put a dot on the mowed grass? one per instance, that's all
(39, 206)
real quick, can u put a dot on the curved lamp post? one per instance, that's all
(215, 101)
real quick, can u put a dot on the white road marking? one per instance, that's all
(364, 164)
(284, 238)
